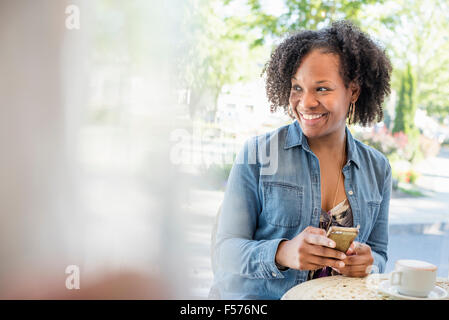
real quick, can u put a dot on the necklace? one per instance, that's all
(338, 184)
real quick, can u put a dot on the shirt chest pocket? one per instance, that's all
(368, 217)
(282, 203)
(372, 210)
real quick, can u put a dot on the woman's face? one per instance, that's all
(318, 97)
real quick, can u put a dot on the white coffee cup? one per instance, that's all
(414, 277)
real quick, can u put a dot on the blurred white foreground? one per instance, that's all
(103, 198)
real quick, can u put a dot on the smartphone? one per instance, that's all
(343, 236)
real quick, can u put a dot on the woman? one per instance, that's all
(272, 229)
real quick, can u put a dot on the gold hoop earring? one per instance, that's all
(351, 113)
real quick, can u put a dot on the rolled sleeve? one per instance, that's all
(268, 260)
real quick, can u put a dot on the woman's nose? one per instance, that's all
(308, 100)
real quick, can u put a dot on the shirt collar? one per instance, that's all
(295, 138)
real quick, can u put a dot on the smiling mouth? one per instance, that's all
(312, 116)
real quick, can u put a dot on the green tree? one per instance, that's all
(416, 32)
(400, 118)
(298, 14)
(406, 107)
(406, 111)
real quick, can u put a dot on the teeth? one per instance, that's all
(312, 116)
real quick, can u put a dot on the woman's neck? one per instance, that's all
(331, 144)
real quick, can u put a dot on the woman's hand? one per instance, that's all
(358, 262)
(309, 250)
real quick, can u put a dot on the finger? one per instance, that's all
(336, 269)
(354, 245)
(360, 268)
(358, 275)
(307, 264)
(351, 249)
(314, 230)
(319, 240)
(326, 261)
(351, 270)
(326, 252)
(361, 248)
(356, 260)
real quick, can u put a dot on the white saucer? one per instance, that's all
(437, 292)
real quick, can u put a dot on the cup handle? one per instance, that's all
(396, 278)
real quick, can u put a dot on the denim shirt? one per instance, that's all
(273, 194)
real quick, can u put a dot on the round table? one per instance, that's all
(345, 288)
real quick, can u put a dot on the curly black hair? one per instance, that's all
(361, 60)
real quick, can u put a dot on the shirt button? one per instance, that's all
(350, 192)
(274, 274)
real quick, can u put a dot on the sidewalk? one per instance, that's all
(419, 226)
(202, 208)
(434, 182)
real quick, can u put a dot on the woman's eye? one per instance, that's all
(297, 88)
(322, 89)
